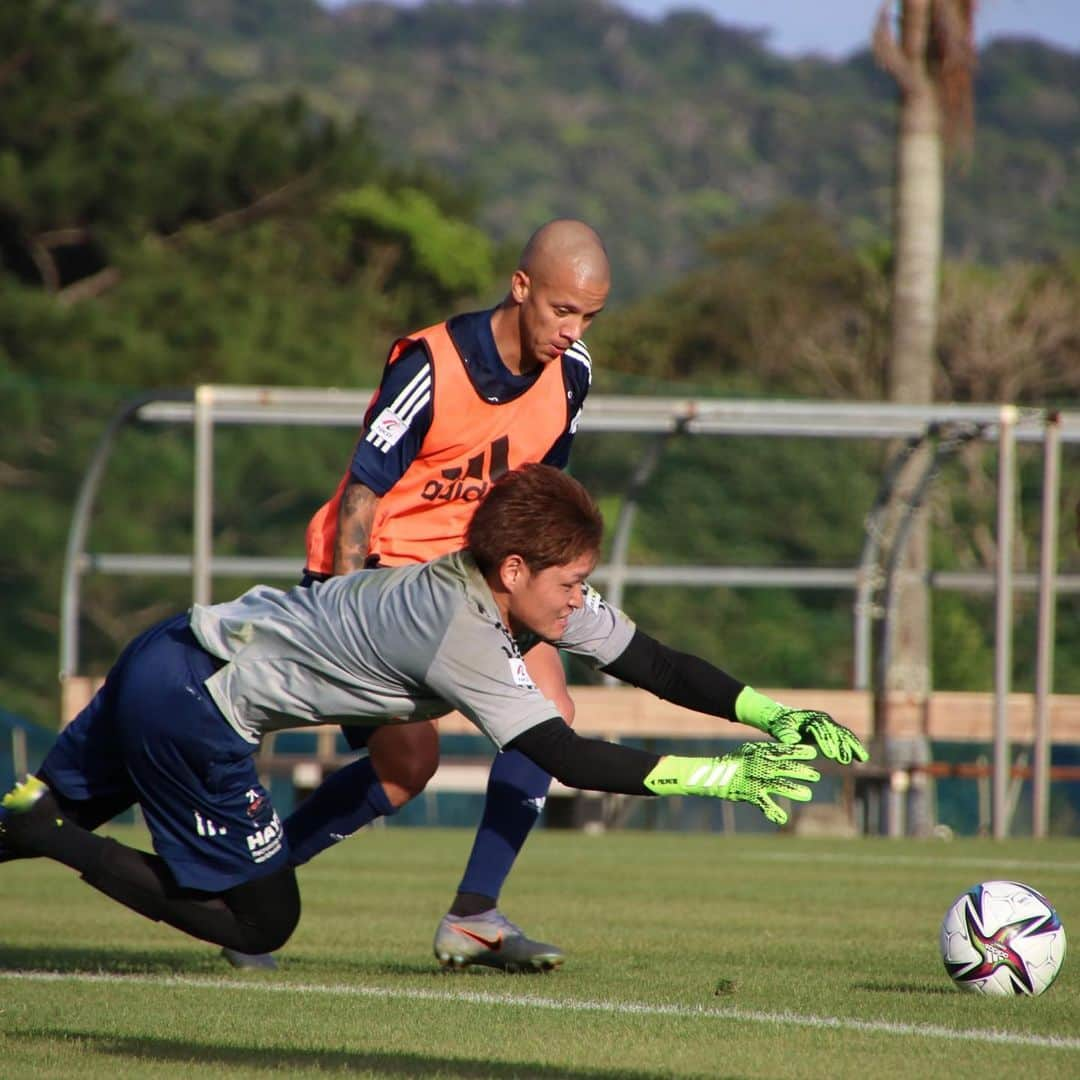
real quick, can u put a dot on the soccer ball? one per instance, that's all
(1002, 938)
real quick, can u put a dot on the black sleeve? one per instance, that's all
(591, 764)
(677, 677)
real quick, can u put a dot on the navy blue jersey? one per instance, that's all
(406, 390)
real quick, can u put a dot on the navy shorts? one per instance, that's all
(153, 734)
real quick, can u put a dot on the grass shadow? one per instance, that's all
(111, 960)
(247, 1058)
(296, 964)
(902, 988)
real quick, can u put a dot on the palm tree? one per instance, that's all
(933, 63)
(931, 55)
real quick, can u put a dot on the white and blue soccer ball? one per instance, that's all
(1003, 939)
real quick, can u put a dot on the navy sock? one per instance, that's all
(344, 802)
(515, 793)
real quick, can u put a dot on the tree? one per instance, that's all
(781, 306)
(157, 244)
(933, 64)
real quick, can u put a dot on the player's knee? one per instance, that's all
(276, 928)
(271, 932)
(406, 778)
(405, 760)
(267, 912)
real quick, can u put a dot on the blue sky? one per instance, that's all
(838, 27)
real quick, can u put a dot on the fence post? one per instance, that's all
(1003, 622)
(1044, 646)
(203, 516)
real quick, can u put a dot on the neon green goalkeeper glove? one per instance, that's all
(791, 726)
(752, 773)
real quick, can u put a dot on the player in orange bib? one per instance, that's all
(459, 404)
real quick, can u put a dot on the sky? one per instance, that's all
(837, 28)
(797, 27)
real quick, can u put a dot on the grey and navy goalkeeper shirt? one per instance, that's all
(387, 646)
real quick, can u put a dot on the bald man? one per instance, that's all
(460, 403)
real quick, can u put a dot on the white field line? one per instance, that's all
(940, 858)
(568, 1005)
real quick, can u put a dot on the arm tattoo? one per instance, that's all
(356, 514)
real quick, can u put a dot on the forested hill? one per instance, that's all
(661, 132)
(216, 229)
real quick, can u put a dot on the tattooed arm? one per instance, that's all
(356, 514)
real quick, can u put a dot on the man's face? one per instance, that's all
(556, 309)
(543, 601)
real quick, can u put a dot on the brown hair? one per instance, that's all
(539, 513)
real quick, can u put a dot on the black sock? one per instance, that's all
(44, 829)
(471, 903)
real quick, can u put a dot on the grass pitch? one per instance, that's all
(689, 956)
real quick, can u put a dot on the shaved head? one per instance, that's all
(566, 244)
(560, 285)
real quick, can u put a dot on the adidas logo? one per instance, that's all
(468, 481)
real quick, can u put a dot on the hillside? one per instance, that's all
(151, 240)
(659, 132)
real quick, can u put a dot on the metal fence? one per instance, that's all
(940, 427)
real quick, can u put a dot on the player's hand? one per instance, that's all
(791, 726)
(753, 773)
(836, 742)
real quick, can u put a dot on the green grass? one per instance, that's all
(689, 956)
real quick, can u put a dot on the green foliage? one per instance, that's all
(454, 256)
(658, 131)
(740, 501)
(963, 647)
(59, 54)
(91, 165)
(149, 245)
(781, 306)
(158, 240)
